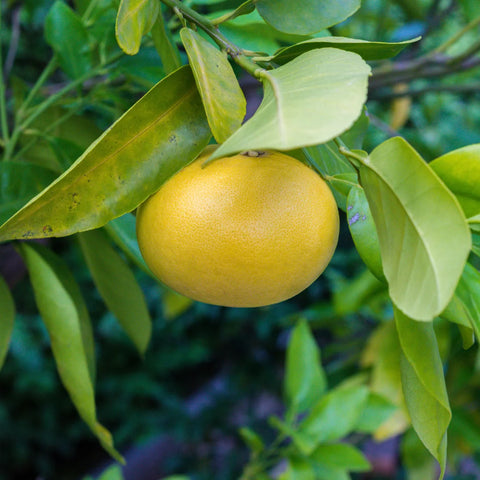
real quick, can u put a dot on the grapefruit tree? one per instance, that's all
(253, 220)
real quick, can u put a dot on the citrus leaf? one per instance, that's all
(243, 9)
(364, 233)
(341, 455)
(460, 171)
(160, 134)
(66, 318)
(222, 97)
(417, 460)
(299, 469)
(356, 293)
(7, 318)
(165, 45)
(458, 312)
(468, 292)
(122, 230)
(423, 385)
(307, 17)
(311, 100)
(333, 417)
(422, 258)
(19, 182)
(134, 19)
(118, 287)
(377, 411)
(305, 380)
(112, 473)
(474, 223)
(341, 184)
(367, 50)
(383, 353)
(253, 441)
(66, 34)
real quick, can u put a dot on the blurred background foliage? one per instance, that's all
(211, 370)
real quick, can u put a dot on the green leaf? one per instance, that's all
(423, 253)
(307, 17)
(165, 45)
(383, 354)
(251, 439)
(7, 318)
(367, 50)
(112, 473)
(333, 417)
(311, 100)
(66, 318)
(356, 293)
(417, 460)
(476, 244)
(364, 233)
(424, 385)
(244, 9)
(305, 380)
(222, 97)
(160, 134)
(19, 182)
(336, 170)
(377, 410)
(135, 18)
(460, 171)
(66, 34)
(341, 184)
(457, 312)
(122, 230)
(174, 304)
(474, 223)
(355, 135)
(299, 469)
(341, 455)
(118, 287)
(468, 292)
(176, 477)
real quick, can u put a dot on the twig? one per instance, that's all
(3, 100)
(14, 38)
(381, 125)
(470, 88)
(236, 53)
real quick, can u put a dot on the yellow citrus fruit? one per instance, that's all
(243, 231)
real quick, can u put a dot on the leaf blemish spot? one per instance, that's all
(47, 229)
(349, 207)
(354, 219)
(172, 138)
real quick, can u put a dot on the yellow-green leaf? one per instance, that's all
(423, 385)
(66, 318)
(161, 133)
(118, 287)
(7, 317)
(423, 234)
(308, 101)
(134, 19)
(222, 97)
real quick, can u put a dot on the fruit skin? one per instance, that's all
(242, 231)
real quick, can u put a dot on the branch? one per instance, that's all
(14, 39)
(470, 88)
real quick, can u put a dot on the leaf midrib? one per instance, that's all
(105, 160)
(392, 190)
